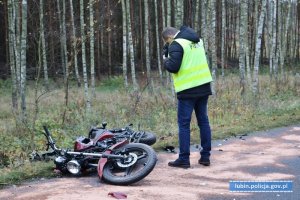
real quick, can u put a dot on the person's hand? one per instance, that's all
(165, 51)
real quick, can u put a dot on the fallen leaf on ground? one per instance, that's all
(118, 195)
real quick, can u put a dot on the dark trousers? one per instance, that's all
(184, 115)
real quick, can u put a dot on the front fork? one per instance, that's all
(103, 160)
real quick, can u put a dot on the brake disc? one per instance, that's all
(128, 161)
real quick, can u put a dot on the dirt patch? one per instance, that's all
(272, 155)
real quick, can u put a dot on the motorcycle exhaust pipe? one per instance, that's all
(101, 155)
(93, 165)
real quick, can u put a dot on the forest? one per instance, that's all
(71, 63)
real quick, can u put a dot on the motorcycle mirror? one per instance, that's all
(104, 124)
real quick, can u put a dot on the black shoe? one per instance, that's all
(180, 164)
(204, 161)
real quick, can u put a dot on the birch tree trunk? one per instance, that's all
(101, 27)
(51, 13)
(124, 21)
(44, 53)
(109, 30)
(11, 38)
(163, 14)
(212, 8)
(63, 61)
(273, 67)
(148, 67)
(92, 48)
(169, 13)
(196, 20)
(142, 35)
(157, 41)
(271, 35)
(74, 44)
(258, 47)
(168, 24)
(65, 54)
(284, 39)
(23, 60)
(83, 52)
(278, 45)
(243, 30)
(179, 13)
(131, 49)
(247, 55)
(223, 37)
(254, 31)
(17, 41)
(64, 40)
(204, 29)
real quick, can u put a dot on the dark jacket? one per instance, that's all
(173, 62)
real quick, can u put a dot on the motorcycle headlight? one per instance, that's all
(73, 167)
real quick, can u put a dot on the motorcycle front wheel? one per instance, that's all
(139, 162)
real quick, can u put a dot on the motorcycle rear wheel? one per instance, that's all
(120, 172)
(148, 138)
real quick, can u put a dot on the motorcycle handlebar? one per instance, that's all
(46, 130)
(50, 140)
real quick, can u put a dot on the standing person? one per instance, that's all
(184, 57)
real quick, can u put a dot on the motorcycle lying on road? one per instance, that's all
(117, 161)
(144, 137)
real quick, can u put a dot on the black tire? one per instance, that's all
(146, 160)
(148, 138)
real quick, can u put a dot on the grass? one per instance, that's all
(230, 114)
(28, 171)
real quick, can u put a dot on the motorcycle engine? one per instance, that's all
(104, 144)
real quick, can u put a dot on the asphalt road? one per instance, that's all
(285, 150)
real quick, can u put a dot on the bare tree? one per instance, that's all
(44, 53)
(131, 49)
(148, 67)
(223, 37)
(74, 44)
(157, 40)
(243, 30)
(62, 56)
(196, 20)
(271, 38)
(109, 30)
(83, 52)
(92, 48)
(285, 29)
(169, 16)
(23, 60)
(12, 56)
(212, 8)
(179, 13)
(204, 29)
(258, 47)
(124, 20)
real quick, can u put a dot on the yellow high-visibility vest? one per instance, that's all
(194, 70)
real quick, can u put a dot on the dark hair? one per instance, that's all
(169, 31)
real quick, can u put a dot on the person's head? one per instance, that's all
(168, 34)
